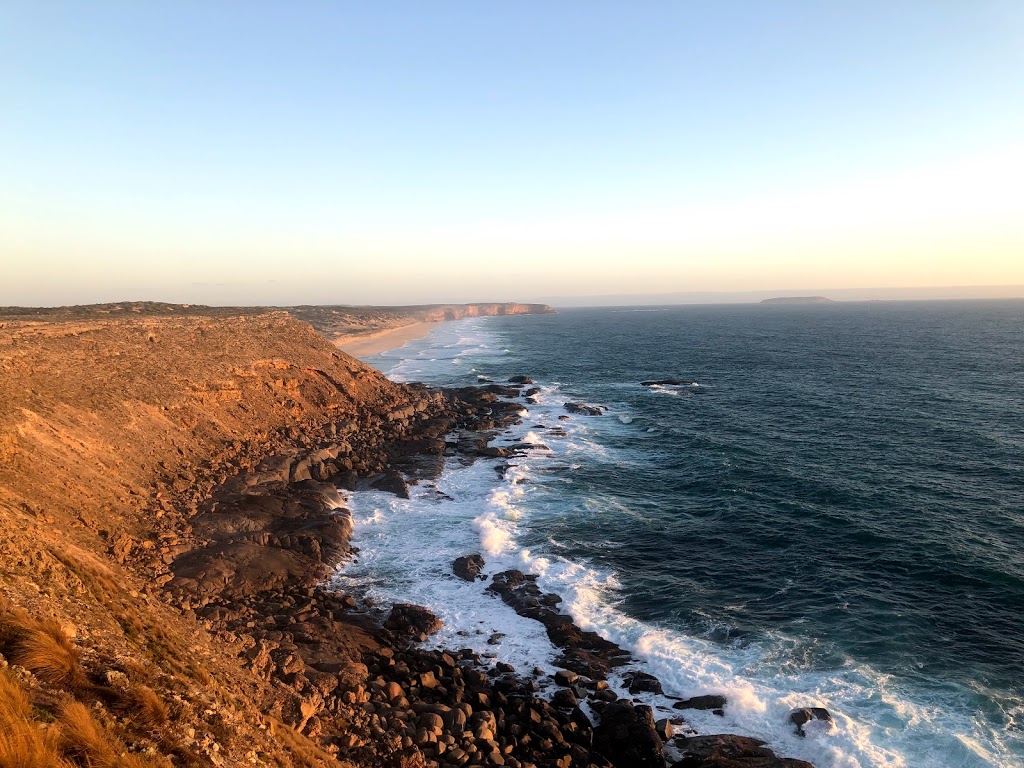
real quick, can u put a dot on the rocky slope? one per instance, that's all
(169, 502)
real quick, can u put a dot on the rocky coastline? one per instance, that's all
(238, 549)
(273, 536)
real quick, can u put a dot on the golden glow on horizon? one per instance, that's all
(962, 224)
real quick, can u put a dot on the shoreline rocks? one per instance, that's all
(583, 409)
(356, 681)
(585, 653)
(468, 567)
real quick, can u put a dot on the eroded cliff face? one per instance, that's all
(113, 435)
(459, 311)
(94, 413)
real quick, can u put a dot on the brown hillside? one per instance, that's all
(112, 433)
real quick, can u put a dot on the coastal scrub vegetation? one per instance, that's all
(60, 731)
(41, 647)
(24, 742)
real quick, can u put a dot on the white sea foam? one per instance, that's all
(407, 547)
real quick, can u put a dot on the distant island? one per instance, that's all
(798, 300)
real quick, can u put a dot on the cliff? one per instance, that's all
(113, 436)
(332, 321)
(170, 508)
(459, 311)
(338, 321)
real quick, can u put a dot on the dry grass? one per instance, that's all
(76, 738)
(303, 752)
(144, 707)
(90, 745)
(83, 739)
(41, 647)
(23, 742)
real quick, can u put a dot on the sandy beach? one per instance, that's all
(363, 345)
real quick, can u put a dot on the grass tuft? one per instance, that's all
(47, 653)
(41, 647)
(144, 707)
(83, 739)
(23, 743)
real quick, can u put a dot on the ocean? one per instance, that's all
(831, 514)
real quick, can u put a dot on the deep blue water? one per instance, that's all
(872, 455)
(844, 490)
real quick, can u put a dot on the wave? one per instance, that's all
(407, 547)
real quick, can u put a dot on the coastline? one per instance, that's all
(229, 542)
(364, 345)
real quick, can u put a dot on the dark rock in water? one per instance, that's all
(496, 453)
(468, 567)
(641, 682)
(665, 729)
(412, 620)
(627, 737)
(520, 380)
(484, 380)
(667, 383)
(501, 391)
(392, 482)
(346, 480)
(801, 717)
(583, 652)
(531, 392)
(581, 408)
(726, 751)
(710, 701)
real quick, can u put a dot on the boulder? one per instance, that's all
(709, 701)
(468, 567)
(641, 682)
(666, 383)
(392, 482)
(816, 718)
(581, 408)
(626, 736)
(564, 698)
(565, 677)
(726, 751)
(412, 620)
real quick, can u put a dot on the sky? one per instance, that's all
(409, 152)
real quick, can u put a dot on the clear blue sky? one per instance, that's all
(382, 152)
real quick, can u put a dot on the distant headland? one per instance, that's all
(798, 300)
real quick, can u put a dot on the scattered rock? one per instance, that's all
(818, 717)
(393, 482)
(709, 701)
(626, 736)
(726, 751)
(586, 410)
(641, 682)
(468, 567)
(412, 620)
